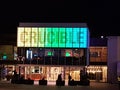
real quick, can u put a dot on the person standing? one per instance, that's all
(69, 77)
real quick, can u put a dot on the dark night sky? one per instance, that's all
(102, 16)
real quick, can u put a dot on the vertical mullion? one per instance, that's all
(58, 48)
(44, 43)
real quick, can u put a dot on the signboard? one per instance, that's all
(52, 37)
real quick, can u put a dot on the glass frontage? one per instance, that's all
(50, 56)
(97, 73)
(6, 72)
(53, 50)
(50, 73)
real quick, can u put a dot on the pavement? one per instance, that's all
(93, 86)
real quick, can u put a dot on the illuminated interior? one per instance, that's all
(49, 73)
(98, 73)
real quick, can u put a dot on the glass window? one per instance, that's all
(27, 38)
(62, 58)
(34, 37)
(48, 56)
(61, 37)
(55, 57)
(75, 39)
(55, 37)
(20, 37)
(69, 37)
(48, 35)
(41, 37)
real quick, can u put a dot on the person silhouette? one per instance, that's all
(59, 77)
(69, 77)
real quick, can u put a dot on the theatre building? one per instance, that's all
(49, 49)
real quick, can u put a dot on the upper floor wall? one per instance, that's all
(98, 54)
(98, 51)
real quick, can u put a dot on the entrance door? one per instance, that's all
(53, 73)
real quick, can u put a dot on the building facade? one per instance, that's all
(113, 58)
(53, 48)
(45, 50)
(97, 69)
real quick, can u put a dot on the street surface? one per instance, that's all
(93, 86)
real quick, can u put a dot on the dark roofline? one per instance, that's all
(52, 25)
(98, 41)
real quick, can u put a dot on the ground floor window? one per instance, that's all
(97, 73)
(50, 73)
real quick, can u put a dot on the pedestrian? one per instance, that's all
(69, 77)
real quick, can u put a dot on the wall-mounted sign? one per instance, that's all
(53, 37)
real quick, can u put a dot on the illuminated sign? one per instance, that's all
(52, 37)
